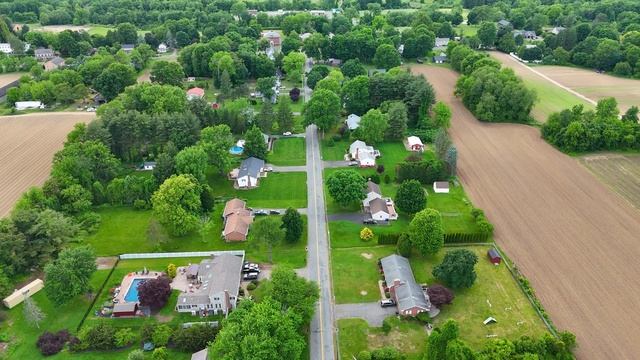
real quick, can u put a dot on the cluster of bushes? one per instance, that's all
(59, 86)
(464, 238)
(491, 93)
(576, 130)
(486, 228)
(49, 343)
(9, 64)
(388, 238)
(425, 171)
(385, 353)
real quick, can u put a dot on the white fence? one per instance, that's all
(180, 254)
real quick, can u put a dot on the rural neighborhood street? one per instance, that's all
(322, 325)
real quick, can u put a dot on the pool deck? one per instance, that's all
(128, 280)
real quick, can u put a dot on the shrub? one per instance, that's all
(425, 171)
(366, 234)
(331, 143)
(147, 331)
(404, 245)
(124, 337)
(424, 317)
(460, 238)
(388, 239)
(75, 344)
(251, 287)
(98, 337)
(386, 325)
(336, 137)
(439, 295)
(380, 169)
(374, 178)
(50, 344)
(171, 270)
(364, 355)
(140, 204)
(387, 179)
(136, 355)
(154, 293)
(194, 338)
(160, 354)
(161, 335)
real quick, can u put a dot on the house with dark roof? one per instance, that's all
(526, 34)
(409, 296)
(504, 23)
(247, 176)
(376, 207)
(53, 64)
(440, 59)
(128, 48)
(217, 286)
(43, 54)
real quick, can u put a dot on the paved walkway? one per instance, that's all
(373, 313)
(335, 164)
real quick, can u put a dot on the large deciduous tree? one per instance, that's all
(154, 293)
(216, 141)
(69, 275)
(292, 224)
(487, 33)
(425, 231)
(114, 79)
(293, 65)
(373, 126)
(267, 231)
(355, 95)
(411, 197)
(346, 187)
(192, 160)
(397, 115)
(294, 292)
(439, 295)
(457, 269)
(386, 57)
(167, 73)
(177, 204)
(284, 116)
(323, 109)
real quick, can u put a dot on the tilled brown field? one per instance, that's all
(9, 78)
(620, 172)
(27, 145)
(576, 240)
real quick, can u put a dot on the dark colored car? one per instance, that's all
(369, 221)
(274, 212)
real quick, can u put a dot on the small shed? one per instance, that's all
(415, 144)
(18, 296)
(148, 165)
(494, 256)
(192, 271)
(24, 105)
(125, 309)
(441, 187)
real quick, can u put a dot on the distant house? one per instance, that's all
(43, 54)
(219, 279)
(148, 165)
(6, 48)
(191, 79)
(364, 154)
(353, 121)
(252, 12)
(125, 309)
(526, 34)
(415, 144)
(494, 256)
(237, 219)
(53, 64)
(305, 36)
(441, 187)
(440, 59)
(441, 43)
(409, 296)
(162, 48)
(195, 93)
(24, 105)
(128, 48)
(378, 208)
(248, 174)
(504, 23)
(273, 37)
(202, 354)
(334, 62)
(557, 30)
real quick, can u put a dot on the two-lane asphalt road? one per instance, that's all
(321, 340)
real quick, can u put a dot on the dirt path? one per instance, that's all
(27, 145)
(574, 239)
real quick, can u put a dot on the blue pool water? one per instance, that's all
(132, 293)
(236, 150)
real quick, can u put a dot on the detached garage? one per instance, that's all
(494, 256)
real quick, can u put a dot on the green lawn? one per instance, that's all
(277, 190)
(495, 292)
(355, 335)
(124, 230)
(346, 234)
(288, 152)
(467, 30)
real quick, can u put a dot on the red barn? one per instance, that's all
(494, 256)
(125, 309)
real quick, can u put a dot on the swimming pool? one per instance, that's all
(132, 293)
(236, 150)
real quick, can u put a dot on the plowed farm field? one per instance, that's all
(27, 145)
(9, 78)
(620, 172)
(573, 237)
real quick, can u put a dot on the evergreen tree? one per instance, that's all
(284, 116)
(397, 120)
(264, 120)
(254, 144)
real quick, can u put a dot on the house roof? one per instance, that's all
(373, 187)
(365, 155)
(196, 91)
(238, 222)
(128, 46)
(57, 61)
(251, 167)
(440, 58)
(219, 274)
(43, 51)
(125, 307)
(441, 42)
(162, 45)
(441, 184)
(377, 205)
(353, 121)
(504, 22)
(192, 270)
(409, 294)
(149, 163)
(201, 355)
(493, 253)
(414, 140)
(232, 206)
(358, 144)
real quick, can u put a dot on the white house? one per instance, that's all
(24, 105)
(6, 48)
(379, 208)
(353, 121)
(162, 48)
(248, 174)
(373, 192)
(441, 187)
(415, 144)
(148, 166)
(441, 43)
(440, 59)
(364, 154)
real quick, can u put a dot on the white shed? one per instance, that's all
(415, 144)
(23, 105)
(441, 187)
(19, 295)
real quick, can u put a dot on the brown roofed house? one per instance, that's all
(232, 206)
(237, 220)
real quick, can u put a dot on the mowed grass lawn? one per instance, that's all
(277, 190)
(495, 293)
(125, 230)
(288, 152)
(551, 98)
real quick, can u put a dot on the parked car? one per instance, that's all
(387, 303)
(288, 133)
(369, 221)
(250, 276)
(419, 60)
(274, 212)
(353, 163)
(260, 212)
(250, 270)
(268, 169)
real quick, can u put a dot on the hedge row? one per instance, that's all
(388, 239)
(462, 238)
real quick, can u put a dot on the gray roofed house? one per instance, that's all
(54, 63)
(127, 48)
(439, 59)
(250, 170)
(410, 298)
(373, 187)
(43, 53)
(441, 43)
(219, 281)
(504, 23)
(526, 34)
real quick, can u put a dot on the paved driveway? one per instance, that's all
(371, 312)
(335, 164)
(352, 217)
(302, 168)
